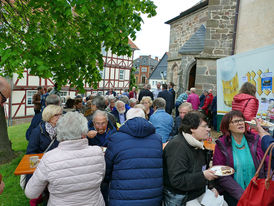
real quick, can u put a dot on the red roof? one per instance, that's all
(132, 45)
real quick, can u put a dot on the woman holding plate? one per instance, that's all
(240, 150)
(185, 164)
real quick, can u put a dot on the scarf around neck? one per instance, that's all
(193, 142)
(51, 130)
(243, 162)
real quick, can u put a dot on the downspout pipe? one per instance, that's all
(235, 27)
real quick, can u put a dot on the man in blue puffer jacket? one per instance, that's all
(134, 163)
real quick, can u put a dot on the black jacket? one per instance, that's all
(145, 92)
(176, 126)
(168, 97)
(183, 168)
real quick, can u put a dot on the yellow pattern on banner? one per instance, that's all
(258, 82)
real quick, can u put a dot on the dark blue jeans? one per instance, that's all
(173, 199)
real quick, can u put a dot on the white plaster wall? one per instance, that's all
(106, 73)
(30, 111)
(255, 25)
(33, 81)
(101, 84)
(111, 73)
(111, 84)
(42, 81)
(17, 96)
(21, 111)
(22, 81)
(49, 83)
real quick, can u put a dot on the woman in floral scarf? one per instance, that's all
(43, 137)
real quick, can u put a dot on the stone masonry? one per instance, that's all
(218, 17)
(180, 31)
(218, 42)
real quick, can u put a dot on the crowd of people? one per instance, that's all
(134, 149)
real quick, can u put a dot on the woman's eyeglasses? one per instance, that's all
(4, 99)
(238, 121)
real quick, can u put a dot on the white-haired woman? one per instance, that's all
(74, 170)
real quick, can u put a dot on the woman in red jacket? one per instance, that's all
(246, 101)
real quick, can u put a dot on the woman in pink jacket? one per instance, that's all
(73, 171)
(246, 101)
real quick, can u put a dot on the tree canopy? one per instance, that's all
(62, 39)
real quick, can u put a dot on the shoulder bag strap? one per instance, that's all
(271, 146)
(52, 141)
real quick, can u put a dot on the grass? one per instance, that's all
(13, 195)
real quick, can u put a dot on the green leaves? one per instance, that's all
(62, 39)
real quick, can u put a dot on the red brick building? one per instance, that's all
(144, 65)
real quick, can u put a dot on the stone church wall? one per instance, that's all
(180, 31)
(218, 42)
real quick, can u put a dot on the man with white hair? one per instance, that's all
(134, 163)
(184, 108)
(194, 99)
(120, 112)
(132, 102)
(100, 130)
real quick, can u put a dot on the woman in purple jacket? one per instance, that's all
(240, 150)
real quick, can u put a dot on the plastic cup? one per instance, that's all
(33, 160)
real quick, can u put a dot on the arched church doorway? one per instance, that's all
(192, 77)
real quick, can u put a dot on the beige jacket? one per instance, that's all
(72, 172)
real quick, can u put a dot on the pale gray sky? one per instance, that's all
(153, 39)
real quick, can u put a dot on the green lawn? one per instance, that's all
(13, 195)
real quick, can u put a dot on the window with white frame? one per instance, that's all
(30, 94)
(144, 69)
(121, 74)
(63, 95)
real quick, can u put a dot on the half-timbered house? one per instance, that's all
(116, 74)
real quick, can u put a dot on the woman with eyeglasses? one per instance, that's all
(45, 132)
(185, 163)
(239, 149)
(43, 137)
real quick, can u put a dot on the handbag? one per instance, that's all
(260, 192)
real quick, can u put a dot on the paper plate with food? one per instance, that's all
(221, 170)
(262, 122)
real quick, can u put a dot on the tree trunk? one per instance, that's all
(6, 152)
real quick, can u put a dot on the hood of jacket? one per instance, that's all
(137, 127)
(242, 97)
